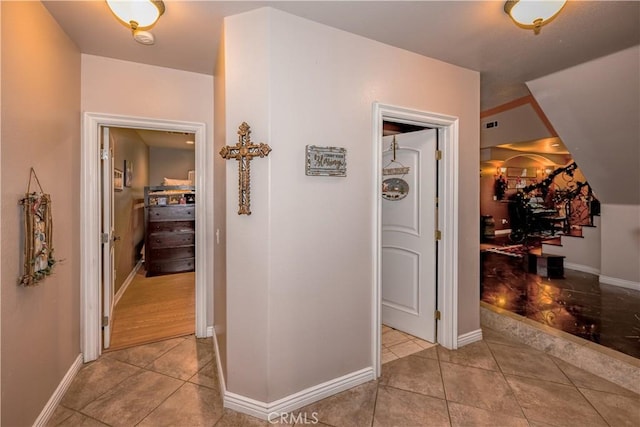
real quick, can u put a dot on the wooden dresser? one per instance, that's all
(170, 239)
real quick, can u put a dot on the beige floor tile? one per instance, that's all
(236, 419)
(133, 399)
(476, 354)
(142, 355)
(59, 415)
(553, 403)
(94, 379)
(80, 420)
(491, 336)
(353, 407)
(386, 328)
(581, 378)
(396, 407)
(207, 376)
(424, 344)
(465, 416)
(479, 388)
(386, 355)
(429, 353)
(615, 409)
(416, 374)
(527, 362)
(404, 349)
(394, 337)
(191, 405)
(184, 360)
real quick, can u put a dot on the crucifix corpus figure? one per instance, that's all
(243, 152)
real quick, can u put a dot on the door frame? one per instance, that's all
(447, 220)
(90, 212)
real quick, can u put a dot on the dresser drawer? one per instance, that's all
(172, 213)
(170, 239)
(178, 252)
(173, 226)
(155, 268)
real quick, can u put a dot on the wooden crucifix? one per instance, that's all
(243, 152)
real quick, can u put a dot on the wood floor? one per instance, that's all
(153, 309)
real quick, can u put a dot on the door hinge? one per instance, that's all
(438, 154)
(104, 154)
(436, 315)
(105, 321)
(438, 235)
(104, 237)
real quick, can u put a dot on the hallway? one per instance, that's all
(494, 382)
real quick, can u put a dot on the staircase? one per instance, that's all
(581, 249)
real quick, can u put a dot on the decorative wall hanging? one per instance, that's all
(128, 173)
(38, 234)
(326, 161)
(395, 188)
(118, 180)
(243, 152)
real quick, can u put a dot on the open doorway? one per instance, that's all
(408, 247)
(444, 221)
(154, 237)
(92, 298)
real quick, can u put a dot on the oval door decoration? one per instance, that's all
(394, 189)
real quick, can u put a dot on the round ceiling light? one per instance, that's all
(137, 13)
(533, 14)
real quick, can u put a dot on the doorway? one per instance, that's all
(153, 278)
(91, 297)
(445, 128)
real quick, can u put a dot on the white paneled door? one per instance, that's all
(408, 233)
(107, 236)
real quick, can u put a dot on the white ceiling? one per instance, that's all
(473, 34)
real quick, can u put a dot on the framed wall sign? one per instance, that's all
(326, 161)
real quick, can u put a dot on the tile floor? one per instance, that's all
(577, 304)
(494, 382)
(397, 344)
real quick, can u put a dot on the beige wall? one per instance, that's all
(170, 163)
(40, 128)
(619, 261)
(219, 213)
(109, 85)
(307, 298)
(128, 210)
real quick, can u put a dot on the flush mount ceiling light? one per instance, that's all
(533, 14)
(139, 15)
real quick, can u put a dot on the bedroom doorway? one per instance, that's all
(92, 313)
(153, 248)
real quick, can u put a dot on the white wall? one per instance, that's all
(518, 124)
(128, 88)
(620, 259)
(300, 268)
(594, 107)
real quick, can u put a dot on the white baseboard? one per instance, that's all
(582, 268)
(469, 337)
(628, 284)
(57, 395)
(295, 401)
(126, 283)
(210, 331)
(223, 383)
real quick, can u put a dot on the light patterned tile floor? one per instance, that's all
(494, 382)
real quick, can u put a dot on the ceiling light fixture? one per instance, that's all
(138, 15)
(533, 14)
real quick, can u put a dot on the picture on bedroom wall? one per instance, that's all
(118, 180)
(128, 173)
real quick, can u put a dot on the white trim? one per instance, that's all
(90, 265)
(210, 331)
(628, 284)
(469, 337)
(58, 394)
(502, 232)
(126, 283)
(297, 400)
(447, 328)
(582, 268)
(223, 383)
